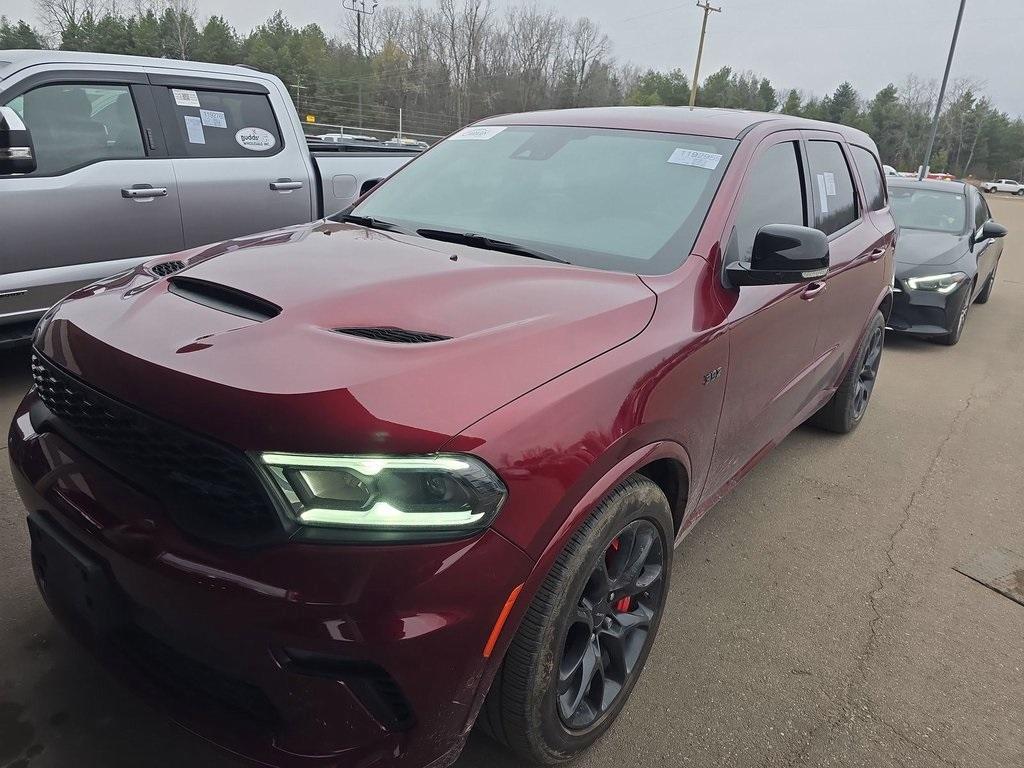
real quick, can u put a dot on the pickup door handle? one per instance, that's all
(813, 289)
(876, 254)
(285, 185)
(143, 192)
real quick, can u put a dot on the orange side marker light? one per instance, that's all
(505, 611)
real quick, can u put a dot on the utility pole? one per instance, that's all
(942, 93)
(358, 7)
(700, 48)
(299, 88)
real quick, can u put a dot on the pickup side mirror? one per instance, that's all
(783, 254)
(17, 154)
(992, 229)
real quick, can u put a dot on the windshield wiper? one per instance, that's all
(481, 241)
(368, 221)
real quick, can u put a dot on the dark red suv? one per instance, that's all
(334, 493)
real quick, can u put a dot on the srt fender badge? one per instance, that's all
(711, 376)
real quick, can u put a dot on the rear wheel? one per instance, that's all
(584, 640)
(848, 405)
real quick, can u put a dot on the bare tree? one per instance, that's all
(57, 15)
(589, 47)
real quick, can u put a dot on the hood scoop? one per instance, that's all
(223, 298)
(393, 335)
(167, 268)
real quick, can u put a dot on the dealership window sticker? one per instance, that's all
(194, 128)
(478, 133)
(213, 119)
(695, 158)
(185, 98)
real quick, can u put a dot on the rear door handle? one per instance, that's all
(813, 289)
(285, 185)
(143, 192)
(876, 254)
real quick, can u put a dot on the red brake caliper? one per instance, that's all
(624, 604)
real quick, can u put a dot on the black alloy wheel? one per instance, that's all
(868, 373)
(610, 627)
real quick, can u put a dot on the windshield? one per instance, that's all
(629, 201)
(928, 209)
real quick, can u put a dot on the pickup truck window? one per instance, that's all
(219, 123)
(75, 125)
(772, 194)
(628, 201)
(831, 186)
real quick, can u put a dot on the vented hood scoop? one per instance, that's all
(224, 298)
(393, 335)
(165, 268)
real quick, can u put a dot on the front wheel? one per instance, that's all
(1019, 193)
(848, 405)
(583, 642)
(953, 336)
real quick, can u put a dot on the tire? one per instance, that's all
(848, 405)
(953, 337)
(524, 709)
(1019, 193)
(986, 292)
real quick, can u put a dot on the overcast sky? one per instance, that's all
(810, 44)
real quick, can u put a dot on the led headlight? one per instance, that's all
(940, 283)
(436, 493)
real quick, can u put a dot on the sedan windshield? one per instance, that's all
(629, 201)
(930, 209)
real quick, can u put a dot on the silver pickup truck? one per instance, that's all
(108, 160)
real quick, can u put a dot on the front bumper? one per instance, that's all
(927, 313)
(295, 654)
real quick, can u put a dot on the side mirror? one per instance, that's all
(16, 152)
(783, 254)
(992, 229)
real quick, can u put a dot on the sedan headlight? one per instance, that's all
(426, 494)
(940, 283)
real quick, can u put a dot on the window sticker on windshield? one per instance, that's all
(213, 119)
(256, 139)
(185, 98)
(695, 158)
(822, 192)
(478, 133)
(194, 128)
(830, 183)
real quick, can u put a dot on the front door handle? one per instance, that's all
(876, 254)
(813, 289)
(285, 185)
(143, 192)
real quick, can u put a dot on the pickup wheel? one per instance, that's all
(848, 405)
(1019, 193)
(583, 642)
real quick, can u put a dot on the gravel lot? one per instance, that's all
(815, 617)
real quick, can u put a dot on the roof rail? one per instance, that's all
(249, 66)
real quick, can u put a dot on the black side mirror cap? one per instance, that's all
(783, 254)
(17, 155)
(993, 229)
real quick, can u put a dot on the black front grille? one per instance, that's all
(393, 335)
(167, 268)
(210, 490)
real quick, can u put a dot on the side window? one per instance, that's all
(981, 212)
(835, 204)
(870, 176)
(220, 123)
(75, 125)
(772, 194)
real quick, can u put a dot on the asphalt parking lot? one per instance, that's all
(815, 617)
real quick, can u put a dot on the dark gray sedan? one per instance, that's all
(947, 254)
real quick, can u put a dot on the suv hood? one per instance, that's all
(292, 382)
(918, 247)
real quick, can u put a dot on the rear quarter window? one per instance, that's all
(209, 123)
(870, 177)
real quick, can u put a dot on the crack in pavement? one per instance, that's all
(846, 710)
